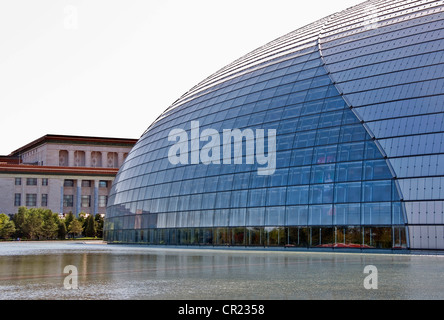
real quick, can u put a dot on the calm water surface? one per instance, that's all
(106, 272)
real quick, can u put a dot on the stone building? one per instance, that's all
(62, 173)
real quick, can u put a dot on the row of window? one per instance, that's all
(68, 200)
(31, 181)
(194, 178)
(85, 183)
(31, 200)
(384, 213)
(193, 195)
(296, 237)
(66, 183)
(85, 201)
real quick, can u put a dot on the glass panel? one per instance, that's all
(377, 170)
(349, 237)
(321, 193)
(275, 216)
(324, 155)
(349, 171)
(377, 214)
(348, 192)
(400, 238)
(378, 237)
(298, 237)
(222, 237)
(297, 195)
(238, 236)
(238, 217)
(328, 236)
(276, 236)
(377, 191)
(297, 216)
(320, 215)
(347, 214)
(323, 174)
(256, 216)
(301, 157)
(257, 197)
(352, 151)
(315, 237)
(256, 236)
(299, 176)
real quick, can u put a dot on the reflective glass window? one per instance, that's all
(297, 195)
(349, 171)
(348, 192)
(320, 215)
(348, 214)
(374, 191)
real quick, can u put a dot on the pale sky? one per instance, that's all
(109, 68)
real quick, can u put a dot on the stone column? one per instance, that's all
(78, 197)
(88, 159)
(62, 192)
(71, 158)
(104, 159)
(96, 197)
(120, 159)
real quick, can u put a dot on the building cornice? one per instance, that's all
(65, 171)
(75, 140)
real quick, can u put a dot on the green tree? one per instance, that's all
(61, 232)
(99, 225)
(50, 224)
(90, 230)
(75, 228)
(19, 221)
(7, 227)
(32, 226)
(68, 219)
(82, 219)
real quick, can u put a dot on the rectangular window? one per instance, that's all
(17, 199)
(103, 184)
(68, 183)
(103, 201)
(44, 181)
(297, 195)
(44, 202)
(18, 181)
(86, 201)
(31, 181)
(68, 201)
(348, 192)
(31, 200)
(377, 191)
(86, 183)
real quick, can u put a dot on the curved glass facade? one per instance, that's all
(289, 145)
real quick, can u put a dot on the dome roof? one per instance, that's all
(307, 141)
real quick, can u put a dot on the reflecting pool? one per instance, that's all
(36, 270)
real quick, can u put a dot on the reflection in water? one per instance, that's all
(35, 271)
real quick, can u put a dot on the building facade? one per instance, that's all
(333, 137)
(62, 173)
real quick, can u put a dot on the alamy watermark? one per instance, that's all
(71, 280)
(223, 148)
(371, 281)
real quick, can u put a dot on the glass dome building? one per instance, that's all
(331, 136)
